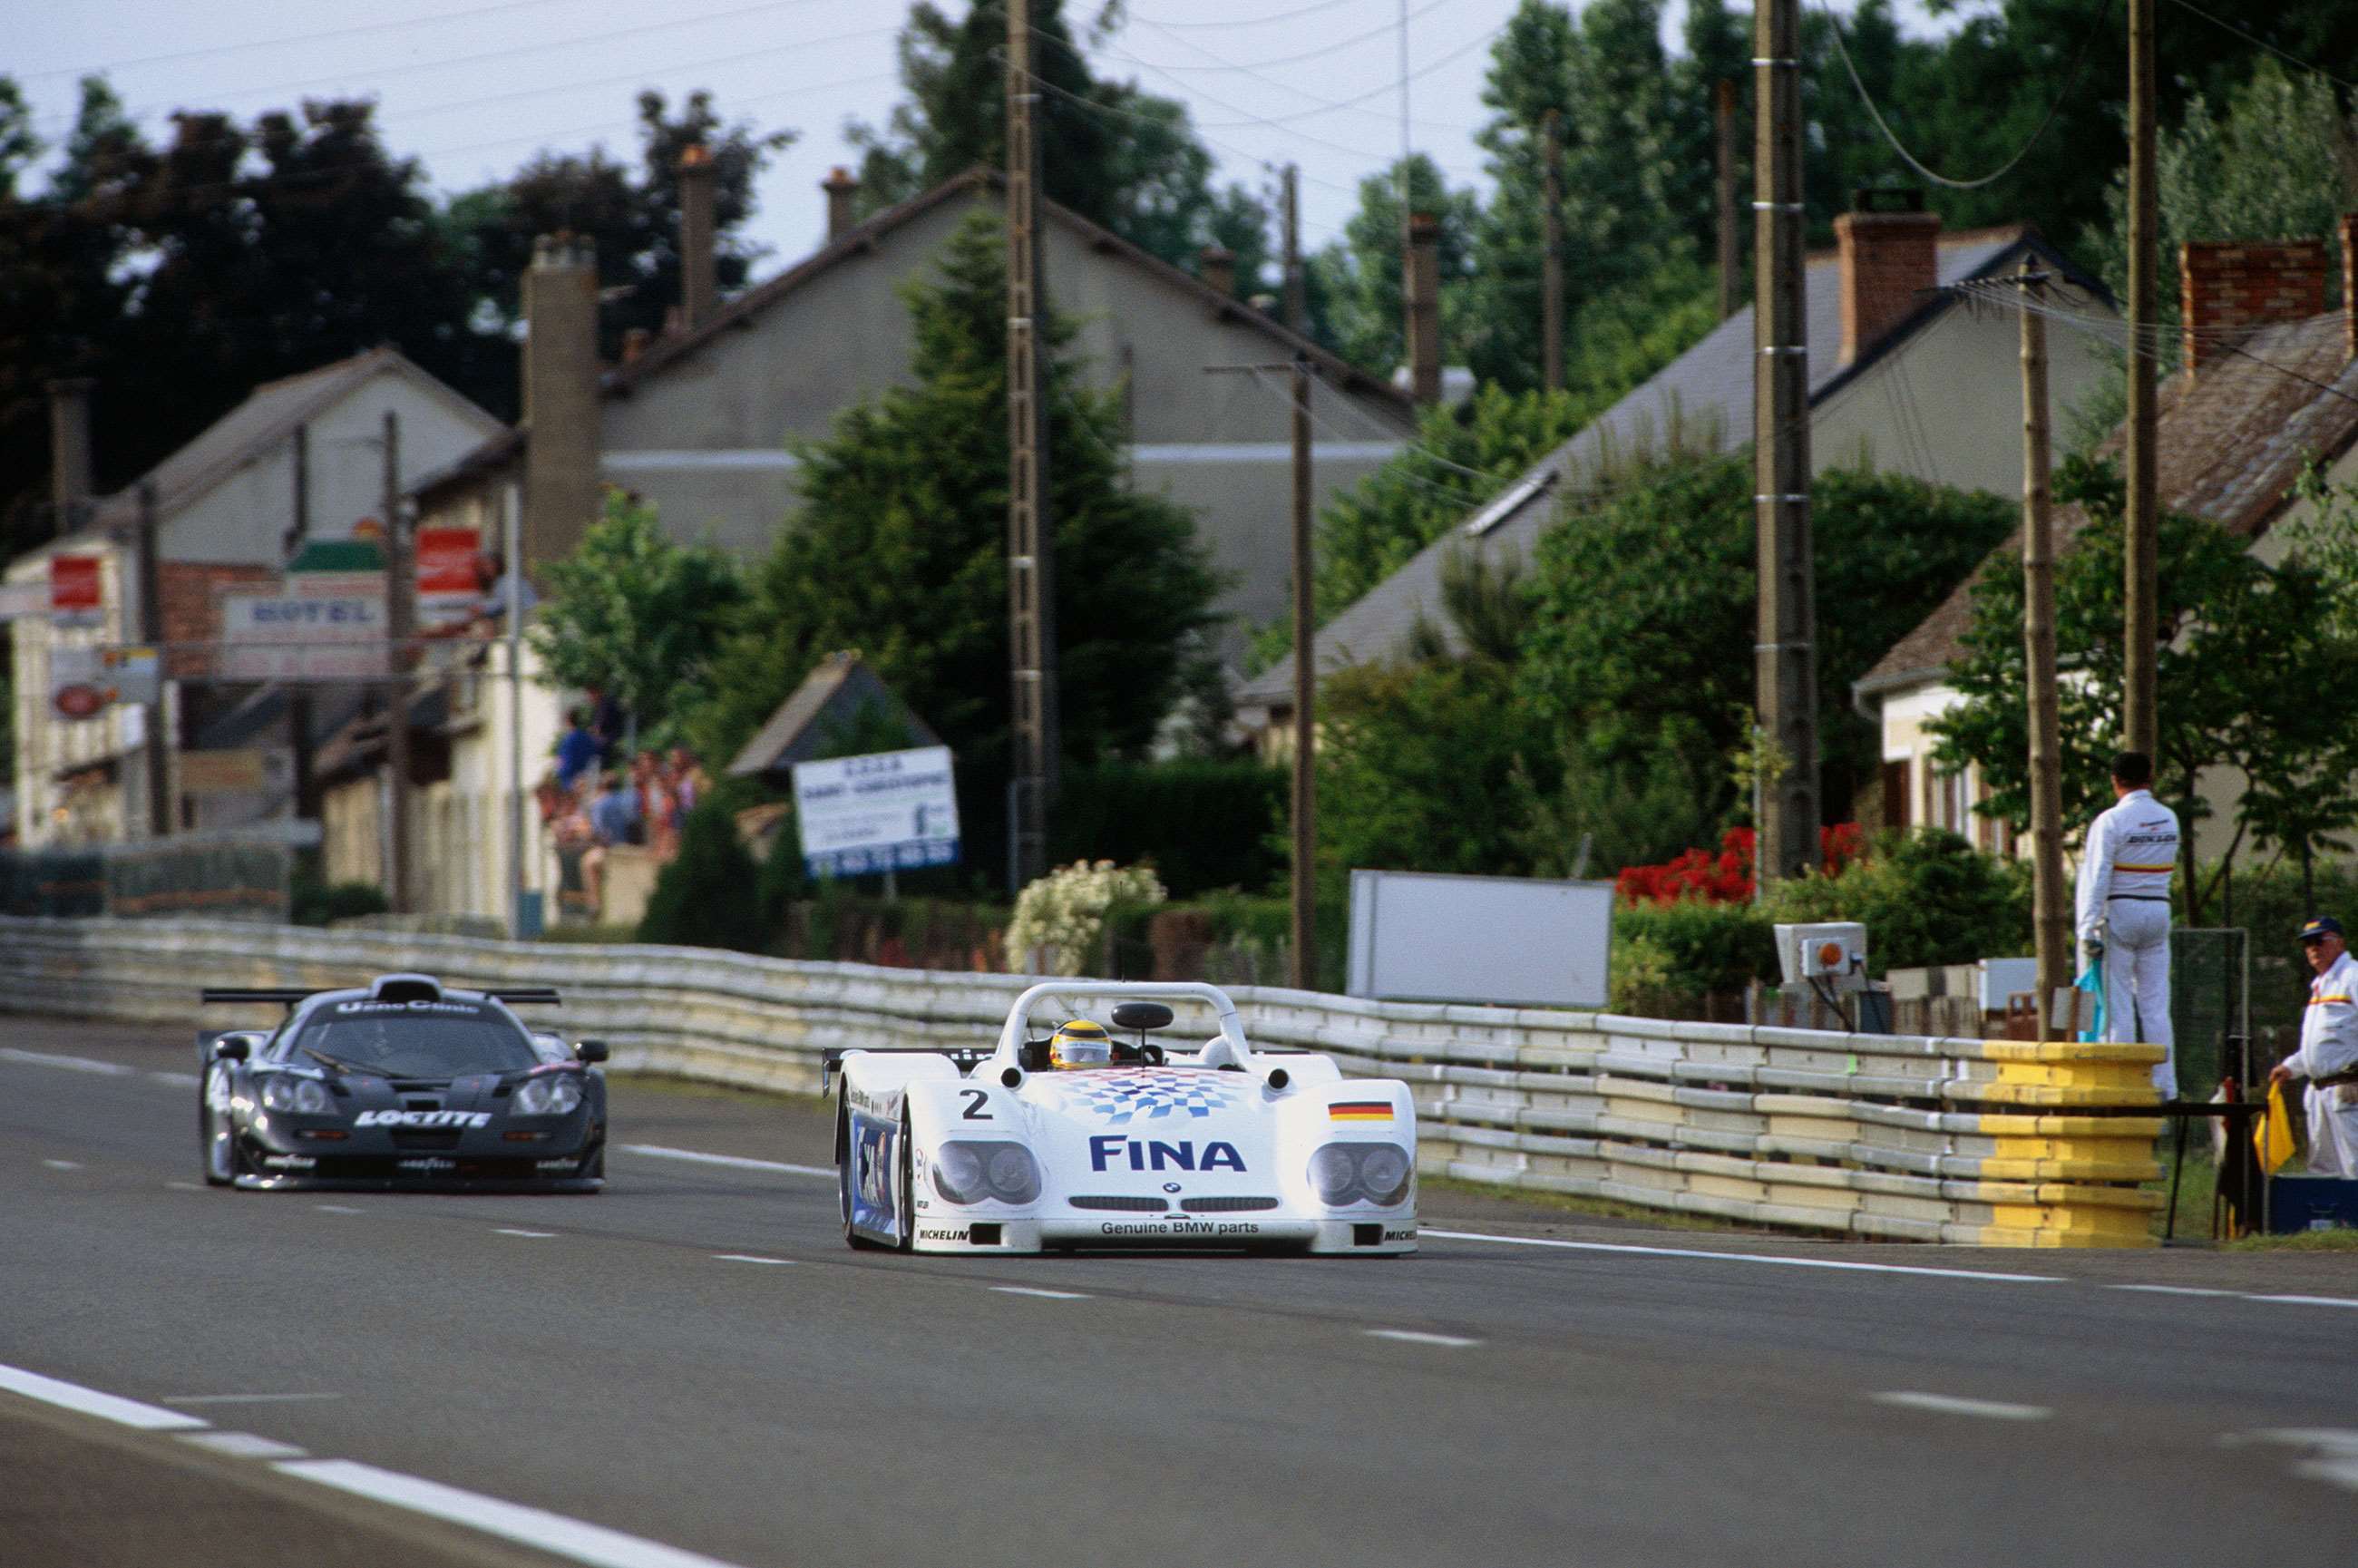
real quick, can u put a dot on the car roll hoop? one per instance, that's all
(1228, 1049)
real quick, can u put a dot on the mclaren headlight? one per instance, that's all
(1378, 1174)
(969, 1172)
(552, 1094)
(293, 1092)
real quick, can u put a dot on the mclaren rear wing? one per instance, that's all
(290, 996)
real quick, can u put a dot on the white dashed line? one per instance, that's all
(750, 1258)
(243, 1445)
(177, 1080)
(90, 1402)
(1410, 1336)
(2307, 1301)
(2174, 1290)
(62, 1164)
(244, 1398)
(182, 1187)
(337, 1208)
(1943, 1404)
(529, 1235)
(536, 1528)
(1043, 1295)
(735, 1162)
(74, 1063)
(1774, 1259)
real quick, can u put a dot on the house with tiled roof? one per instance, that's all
(1900, 376)
(304, 453)
(698, 421)
(2268, 388)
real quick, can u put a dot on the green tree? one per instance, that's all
(1353, 284)
(2245, 648)
(1111, 152)
(637, 616)
(899, 550)
(709, 896)
(1641, 596)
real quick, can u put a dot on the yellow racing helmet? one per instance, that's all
(1080, 1043)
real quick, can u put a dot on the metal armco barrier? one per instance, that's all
(1971, 1141)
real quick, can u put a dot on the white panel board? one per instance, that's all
(1420, 936)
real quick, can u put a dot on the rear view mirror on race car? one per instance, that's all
(231, 1048)
(1141, 1016)
(592, 1051)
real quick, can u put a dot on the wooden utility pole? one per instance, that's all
(1784, 653)
(2051, 904)
(158, 744)
(1305, 698)
(1031, 536)
(1551, 258)
(298, 696)
(400, 588)
(1297, 308)
(2142, 548)
(1731, 261)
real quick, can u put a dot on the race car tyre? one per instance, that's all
(904, 1198)
(595, 1166)
(844, 1178)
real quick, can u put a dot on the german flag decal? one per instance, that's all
(1360, 1111)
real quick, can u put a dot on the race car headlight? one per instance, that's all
(553, 1094)
(287, 1091)
(1334, 1175)
(968, 1173)
(1361, 1173)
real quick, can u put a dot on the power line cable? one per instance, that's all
(1254, 72)
(1385, 30)
(211, 50)
(2250, 37)
(1259, 21)
(2079, 68)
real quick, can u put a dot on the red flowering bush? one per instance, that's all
(1726, 877)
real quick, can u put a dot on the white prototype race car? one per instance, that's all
(1022, 1149)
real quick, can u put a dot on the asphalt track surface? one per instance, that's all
(691, 1369)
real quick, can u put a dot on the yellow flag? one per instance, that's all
(2272, 1139)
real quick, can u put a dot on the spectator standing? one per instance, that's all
(577, 749)
(2123, 911)
(688, 779)
(613, 812)
(2327, 1056)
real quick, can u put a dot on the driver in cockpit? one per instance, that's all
(1080, 1043)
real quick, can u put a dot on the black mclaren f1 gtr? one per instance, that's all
(403, 1083)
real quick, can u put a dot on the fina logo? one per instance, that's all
(1105, 1147)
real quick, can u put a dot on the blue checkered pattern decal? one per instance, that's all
(1148, 1095)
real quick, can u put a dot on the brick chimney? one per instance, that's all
(1888, 258)
(1217, 265)
(2349, 227)
(1423, 307)
(841, 189)
(70, 456)
(699, 284)
(560, 399)
(2230, 287)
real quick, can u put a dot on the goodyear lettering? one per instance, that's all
(465, 1010)
(427, 1164)
(423, 1118)
(289, 1161)
(1145, 1154)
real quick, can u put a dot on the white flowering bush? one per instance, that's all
(1062, 914)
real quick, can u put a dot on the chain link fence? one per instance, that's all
(220, 879)
(2210, 1003)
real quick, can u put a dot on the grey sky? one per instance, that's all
(472, 87)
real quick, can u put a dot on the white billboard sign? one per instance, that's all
(321, 626)
(888, 811)
(1514, 941)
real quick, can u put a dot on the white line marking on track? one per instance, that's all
(182, 1187)
(530, 1235)
(1770, 1258)
(1043, 1295)
(62, 1164)
(2173, 1290)
(1410, 1336)
(177, 1080)
(1944, 1405)
(736, 1161)
(2308, 1300)
(245, 1445)
(536, 1528)
(76, 1063)
(337, 1208)
(2335, 1461)
(244, 1398)
(750, 1257)
(90, 1402)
